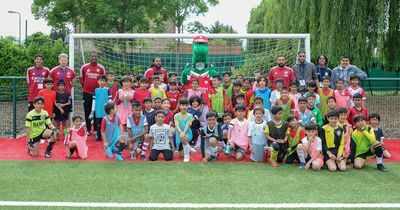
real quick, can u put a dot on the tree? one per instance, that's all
(337, 27)
(101, 15)
(179, 10)
(197, 27)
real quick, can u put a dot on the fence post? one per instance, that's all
(14, 104)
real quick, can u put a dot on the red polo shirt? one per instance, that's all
(284, 73)
(89, 74)
(68, 75)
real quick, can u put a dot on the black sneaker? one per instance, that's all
(382, 168)
(143, 157)
(47, 154)
(213, 158)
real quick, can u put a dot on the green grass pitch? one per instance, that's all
(162, 182)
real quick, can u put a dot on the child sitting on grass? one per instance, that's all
(310, 149)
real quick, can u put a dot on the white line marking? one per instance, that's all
(200, 205)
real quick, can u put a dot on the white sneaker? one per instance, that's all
(186, 159)
(192, 150)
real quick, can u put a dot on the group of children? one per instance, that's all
(319, 127)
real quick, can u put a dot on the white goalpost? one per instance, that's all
(131, 54)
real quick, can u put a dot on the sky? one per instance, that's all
(229, 12)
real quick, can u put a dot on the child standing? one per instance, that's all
(173, 95)
(310, 149)
(240, 99)
(333, 143)
(63, 107)
(149, 112)
(124, 99)
(276, 135)
(294, 134)
(194, 89)
(314, 110)
(354, 88)
(303, 114)
(112, 85)
(142, 92)
(342, 95)
(50, 96)
(160, 135)
(137, 132)
(276, 94)
(324, 93)
(258, 102)
(256, 134)
(75, 139)
(38, 126)
(263, 91)
(357, 109)
(157, 91)
(195, 110)
(238, 134)
(218, 97)
(374, 120)
(286, 103)
(100, 97)
(236, 87)
(112, 132)
(183, 134)
(211, 134)
(311, 90)
(294, 86)
(227, 118)
(364, 145)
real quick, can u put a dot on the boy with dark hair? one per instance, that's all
(248, 92)
(156, 90)
(211, 134)
(310, 149)
(149, 112)
(286, 103)
(227, 118)
(295, 134)
(217, 97)
(364, 145)
(50, 96)
(137, 129)
(38, 126)
(358, 108)
(259, 102)
(63, 107)
(236, 90)
(161, 136)
(174, 95)
(238, 140)
(112, 132)
(374, 120)
(303, 114)
(324, 93)
(240, 99)
(227, 85)
(263, 91)
(315, 111)
(142, 92)
(276, 94)
(256, 134)
(333, 143)
(101, 96)
(112, 85)
(312, 90)
(276, 134)
(342, 95)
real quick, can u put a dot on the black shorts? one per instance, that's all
(365, 155)
(36, 139)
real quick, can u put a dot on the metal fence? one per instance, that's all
(383, 96)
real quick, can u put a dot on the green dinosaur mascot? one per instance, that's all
(199, 68)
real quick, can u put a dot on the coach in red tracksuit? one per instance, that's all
(88, 78)
(156, 67)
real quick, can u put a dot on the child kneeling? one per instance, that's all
(310, 149)
(161, 136)
(76, 139)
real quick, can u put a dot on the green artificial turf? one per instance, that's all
(172, 182)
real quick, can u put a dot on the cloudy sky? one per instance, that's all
(231, 12)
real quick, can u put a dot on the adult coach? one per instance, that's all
(156, 66)
(281, 71)
(63, 73)
(322, 68)
(34, 79)
(88, 78)
(304, 71)
(345, 70)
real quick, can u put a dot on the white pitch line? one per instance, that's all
(200, 205)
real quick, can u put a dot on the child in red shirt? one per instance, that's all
(49, 95)
(357, 109)
(173, 95)
(142, 92)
